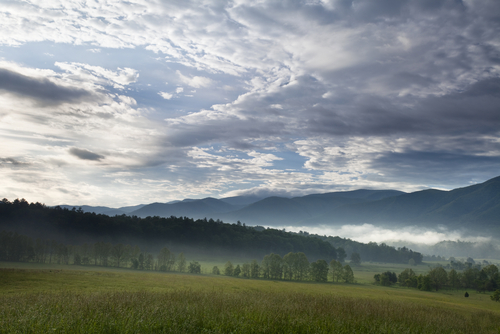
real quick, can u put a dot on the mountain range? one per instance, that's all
(472, 206)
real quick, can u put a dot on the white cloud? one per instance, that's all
(165, 95)
(120, 78)
(196, 81)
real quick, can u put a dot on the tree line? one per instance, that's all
(208, 235)
(20, 248)
(372, 251)
(292, 266)
(481, 278)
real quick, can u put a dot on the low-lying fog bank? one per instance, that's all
(439, 241)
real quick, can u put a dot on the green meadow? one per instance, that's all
(76, 299)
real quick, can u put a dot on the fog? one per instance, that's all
(370, 233)
(439, 241)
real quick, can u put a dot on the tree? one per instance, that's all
(245, 270)
(406, 278)
(140, 261)
(337, 271)
(453, 279)
(386, 278)
(341, 254)
(77, 260)
(301, 266)
(491, 277)
(424, 283)
(355, 259)
(254, 269)
(275, 266)
(495, 296)
(181, 263)
(194, 268)
(148, 262)
(135, 263)
(469, 277)
(118, 254)
(166, 259)
(319, 271)
(438, 278)
(348, 274)
(411, 262)
(228, 269)
(215, 270)
(272, 266)
(237, 271)
(295, 266)
(289, 266)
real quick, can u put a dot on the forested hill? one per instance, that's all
(215, 237)
(476, 208)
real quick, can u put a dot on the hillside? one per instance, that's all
(24, 225)
(271, 211)
(207, 207)
(476, 206)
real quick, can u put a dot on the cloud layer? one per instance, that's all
(124, 102)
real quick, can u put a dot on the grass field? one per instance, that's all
(75, 299)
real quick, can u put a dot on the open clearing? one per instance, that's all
(60, 299)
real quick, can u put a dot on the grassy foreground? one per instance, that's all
(122, 301)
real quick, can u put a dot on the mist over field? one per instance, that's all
(371, 233)
(439, 241)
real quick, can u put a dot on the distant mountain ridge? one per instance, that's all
(472, 206)
(468, 207)
(250, 209)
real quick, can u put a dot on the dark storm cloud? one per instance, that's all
(85, 155)
(43, 91)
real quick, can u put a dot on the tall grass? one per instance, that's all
(123, 301)
(218, 311)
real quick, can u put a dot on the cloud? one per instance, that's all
(165, 95)
(41, 90)
(196, 81)
(379, 94)
(12, 162)
(99, 75)
(85, 154)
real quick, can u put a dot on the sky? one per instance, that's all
(125, 102)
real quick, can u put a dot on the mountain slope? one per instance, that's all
(477, 204)
(192, 208)
(275, 211)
